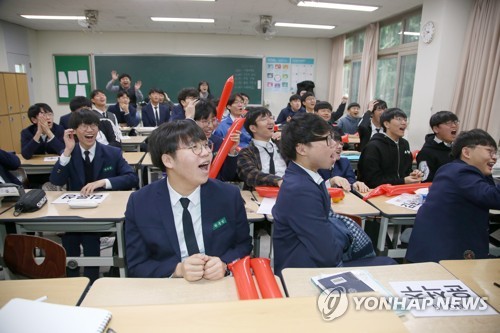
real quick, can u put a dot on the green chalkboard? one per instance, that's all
(72, 76)
(172, 73)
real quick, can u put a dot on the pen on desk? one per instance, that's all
(41, 299)
(496, 284)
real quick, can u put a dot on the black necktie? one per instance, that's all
(187, 226)
(271, 161)
(377, 129)
(88, 168)
(157, 117)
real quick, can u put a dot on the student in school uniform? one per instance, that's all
(204, 91)
(124, 111)
(75, 103)
(260, 163)
(125, 84)
(370, 125)
(387, 157)
(293, 108)
(184, 97)
(88, 166)
(308, 101)
(310, 234)
(8, 162)
(235, 107)
(185, 225)
(324, 110)
(350, 121)
(341, 173)
(453, 222)
(154, 113)
(43, 136)
(437, 147)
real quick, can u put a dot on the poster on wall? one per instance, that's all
(302, 69)
(278, 74)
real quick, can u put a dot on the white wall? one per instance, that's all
(437, 64)
(49, 43)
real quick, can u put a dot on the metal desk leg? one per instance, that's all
(384, 223)
(120, 238)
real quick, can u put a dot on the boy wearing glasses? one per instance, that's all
(310, 234)
(260, 163)
(387, 158)
(44, 136)
(87, 166)
(437, 148)
(453, 222)
(235, 107)
(185, 225)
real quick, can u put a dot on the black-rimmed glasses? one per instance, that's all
(197, 148)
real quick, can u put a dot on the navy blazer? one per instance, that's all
(148, 115)
(131, 119)
(453, 222)
(150, 235)
(30, 147)
(64, 121)
(303, 235)
(108, 163)
(342, 168)
(227, 172)
(9, 161)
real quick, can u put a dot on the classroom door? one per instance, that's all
(20, 63)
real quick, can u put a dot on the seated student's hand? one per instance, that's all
(190, 108)
(69, 141)
(192, 269)
(235, 138)
(340, 182)
(412, 178)
(276, 136)
(91, 187)
(114, 75)
(215, 269)
(417, 173)
(138, 85)
(360, 187)
(288, 119)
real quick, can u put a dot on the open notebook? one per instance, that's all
(23, 316)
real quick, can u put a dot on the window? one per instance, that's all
(386, 76)
(353, 50)
(406, 79)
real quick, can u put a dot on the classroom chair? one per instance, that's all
(19, 257)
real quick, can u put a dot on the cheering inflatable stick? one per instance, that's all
(265, 278)
(392, 190)
(243, 279)
(224, 148)
(224, 97)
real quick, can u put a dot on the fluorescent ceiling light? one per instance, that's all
(409, 33)
(53, 17)
(180, 19)
(342, 6)
(307, 26)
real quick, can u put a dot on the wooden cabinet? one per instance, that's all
(14, 104)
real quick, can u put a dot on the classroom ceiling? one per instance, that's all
(234, 17)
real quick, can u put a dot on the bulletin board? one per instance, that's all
(72, 74)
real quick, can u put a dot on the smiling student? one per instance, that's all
(453, 222)
(185, 225)
(235, 107)
(437, 148)
(349, 122)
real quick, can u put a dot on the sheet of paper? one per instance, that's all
(83, 76)
(51, 159)
(410, 201)
(67, 197)
(266, 206)
(63, 91)
(442, 298)
(80, 90)
(73, 77)
(62, 78)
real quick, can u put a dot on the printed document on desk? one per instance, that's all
(266, 205)
(67, 197)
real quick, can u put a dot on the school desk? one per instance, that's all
(134, 159)
(391, 215)
(266, 315)
(149, 291)
(479, 275)
(133, 143)
(36, 164)
(298, 283)
(67, 291)
(107, 217)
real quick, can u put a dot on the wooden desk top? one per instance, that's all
(113, 207)
(478, 275)
(134, 139)
(37, 160)
(146, 161)
(251, 206)
(149, 291)
(65, 291)
(353, 139)
(133, 157)
(389, 210)
(351, 204)
(271, 315)
(298, 284)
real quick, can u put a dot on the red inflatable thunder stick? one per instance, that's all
(224, 148)
(244, 279)
(392, 190)
(224, 97)
(265, 278)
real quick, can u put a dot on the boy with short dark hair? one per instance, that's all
(437, 147)
(154, 113)
(308, 101)
(185, 97)
(324, 110)
(293, 108)
(125, 84)
(453, 222)
(125, 112)
(349, 122)
(185, 225)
